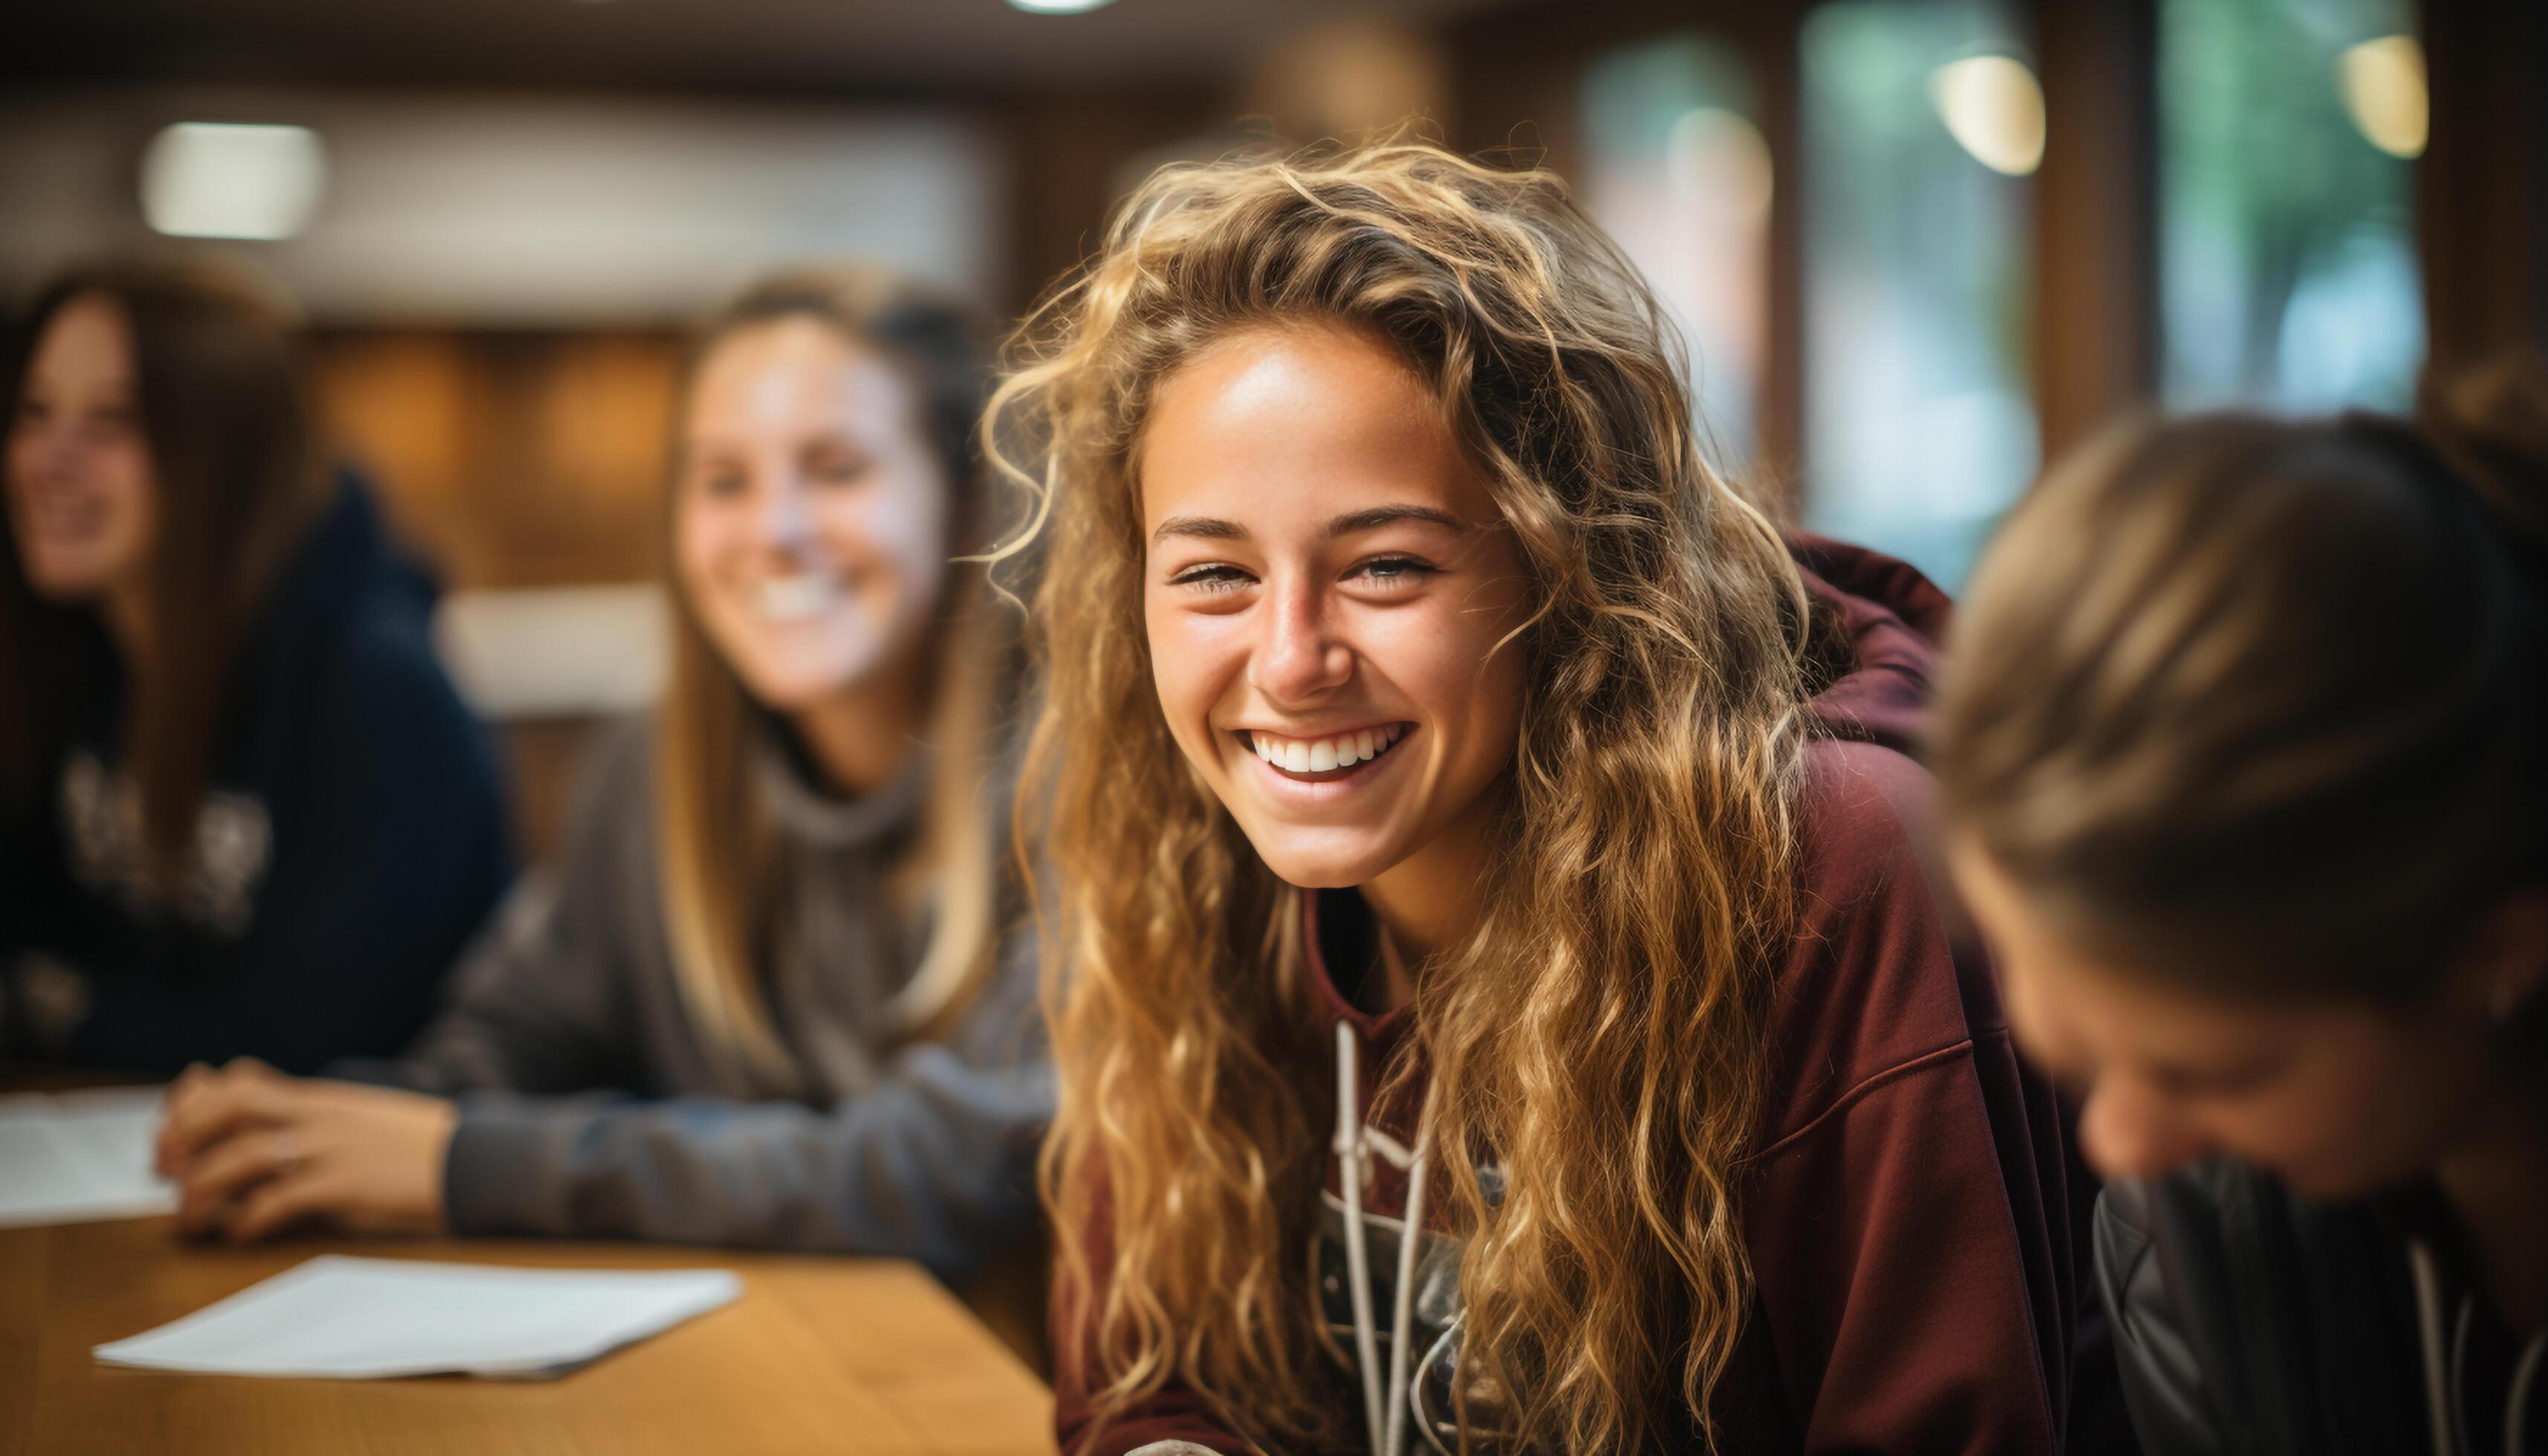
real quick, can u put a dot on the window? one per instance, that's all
(1675, 169)
(1920, 121)
(2288, 273)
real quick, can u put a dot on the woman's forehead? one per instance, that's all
(1296, 427)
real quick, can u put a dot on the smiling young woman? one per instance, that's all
(1475, 819)
(779, 920)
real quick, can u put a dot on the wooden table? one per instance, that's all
(836, 1355)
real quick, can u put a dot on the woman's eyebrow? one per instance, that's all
(1386, 515)
(1215, 528)
(1198, 527)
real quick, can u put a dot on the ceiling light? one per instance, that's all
(1060, 7)
(1993, 107)
(2384, 88)
(207, 180)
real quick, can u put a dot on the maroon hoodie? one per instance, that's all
(1911, 1216)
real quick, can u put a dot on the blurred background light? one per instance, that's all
(1730, 160)
(1676, 170)
(2384, 88)
(2289, 271)
(210, 179)
(1060, 7)
(1920, 423)
(475, 210)
(1993, 107)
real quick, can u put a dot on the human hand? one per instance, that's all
(253, 1151)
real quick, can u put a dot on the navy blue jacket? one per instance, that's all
(352, 838)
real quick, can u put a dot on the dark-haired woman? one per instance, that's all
(2242, 744)
(241, 809)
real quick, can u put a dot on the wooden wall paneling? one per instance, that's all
(2095, 331)
(600, 428)
(2482, 184)
(1069, 155)
(511, 458)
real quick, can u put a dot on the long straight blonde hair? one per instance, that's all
(1599, 1033)
(715, 842)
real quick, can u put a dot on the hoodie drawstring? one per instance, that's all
(2429, 1328)
(1386, 1433)
(1357, 1254)
(2516, 1418)
(2442, 1372)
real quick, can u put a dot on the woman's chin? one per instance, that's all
(787, 682)
(1324, 860)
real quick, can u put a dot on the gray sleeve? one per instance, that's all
(2158, 1343)
(934, 1162)
(541, 1002)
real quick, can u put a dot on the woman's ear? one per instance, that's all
(2503, 961)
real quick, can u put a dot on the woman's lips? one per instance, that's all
(64, 515)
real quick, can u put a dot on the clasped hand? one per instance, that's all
(253, 1151)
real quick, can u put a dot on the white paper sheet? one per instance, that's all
(345, 1318)
(74, 1157)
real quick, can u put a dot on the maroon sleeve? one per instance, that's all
(1907, 1269)
(1173, 1414)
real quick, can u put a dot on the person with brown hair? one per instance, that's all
(2241, 747)
(777, 924)
(241, 809)
(1497, 1001)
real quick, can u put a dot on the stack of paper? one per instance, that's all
(74, 1157)
(354, 1319)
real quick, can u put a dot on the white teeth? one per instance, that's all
(797, 598)
(1322, 754)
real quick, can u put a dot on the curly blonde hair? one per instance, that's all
(1600, 1032)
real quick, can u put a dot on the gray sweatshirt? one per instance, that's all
(588, 1108)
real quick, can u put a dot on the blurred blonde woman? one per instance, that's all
(777, 927)
(1474, 818)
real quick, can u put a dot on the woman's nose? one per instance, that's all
(2129, 1130)
(1297, 658)
(787, 517)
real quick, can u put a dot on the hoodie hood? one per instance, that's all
(1891, 620)
(345, 571)
(344, 595)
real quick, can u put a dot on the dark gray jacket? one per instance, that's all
(2251, 1322)
(589, 1106)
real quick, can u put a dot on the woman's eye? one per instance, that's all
(1392, 570)
(721, 483)
(1213, 577)
(840, 470)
